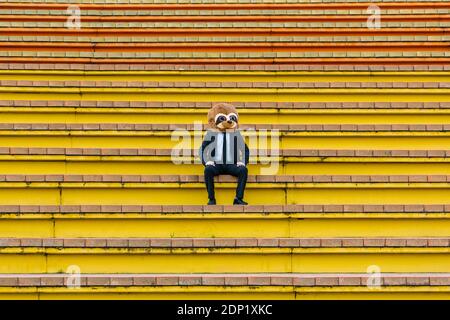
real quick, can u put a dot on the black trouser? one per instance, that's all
(231, 169)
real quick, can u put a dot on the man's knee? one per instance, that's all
(210, 171)
(242, 171)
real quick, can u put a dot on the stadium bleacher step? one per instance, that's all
(79, 161)
(348, 220)
(363, 50)
(224, 255)
(189, 189)
(224, 286)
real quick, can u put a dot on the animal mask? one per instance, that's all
(223, 117)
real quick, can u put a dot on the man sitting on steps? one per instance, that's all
(224, 151)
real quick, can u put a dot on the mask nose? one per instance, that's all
(230, 122)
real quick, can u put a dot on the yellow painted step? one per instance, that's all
(148, 293)
(226, 293)
(234, 76)
(125, 165)
(252, 115)
(401, 140)
(223, 260)
(194, 193)
(231, 95)
(225, 225)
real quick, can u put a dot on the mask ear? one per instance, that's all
(211, 123)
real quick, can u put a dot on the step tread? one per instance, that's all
(420, 37)
(286, 279)
(133, 152)
(387, 53)
(266, 46)
(105, 16)
(221, 5)
(207, 105)
(423, 25)
(283, 128)
(353, 242)
(177, 209)
(222, 84)
(170, 65)
(239, 14)
(424, 62)
(191, 178)
(97, 32)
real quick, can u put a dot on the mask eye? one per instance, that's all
(233, 118)
(221, 119)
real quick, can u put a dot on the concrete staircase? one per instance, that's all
(92, 204)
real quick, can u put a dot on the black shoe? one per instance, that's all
(239, 201)
(211, 202)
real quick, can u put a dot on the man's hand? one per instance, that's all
(240, 164)
(210, 163)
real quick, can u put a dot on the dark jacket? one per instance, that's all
(224, 148)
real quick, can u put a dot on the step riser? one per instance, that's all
(217, 8)
(223, 50)
(182, 116)
(248, 95)
(162, 294)
(360, 166)
(268, 24)
(288, 37)
(234, 18)
(231, 227)
(169, 106)
(365, 63)
(309, 140)
(224, 263)
(214, 5)
(236, 76)
(126, 87)
(218, 293)
(224, 12)
(70, 294)
(195, 194)
(394, 64)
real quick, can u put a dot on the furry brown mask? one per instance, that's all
(223, 116)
